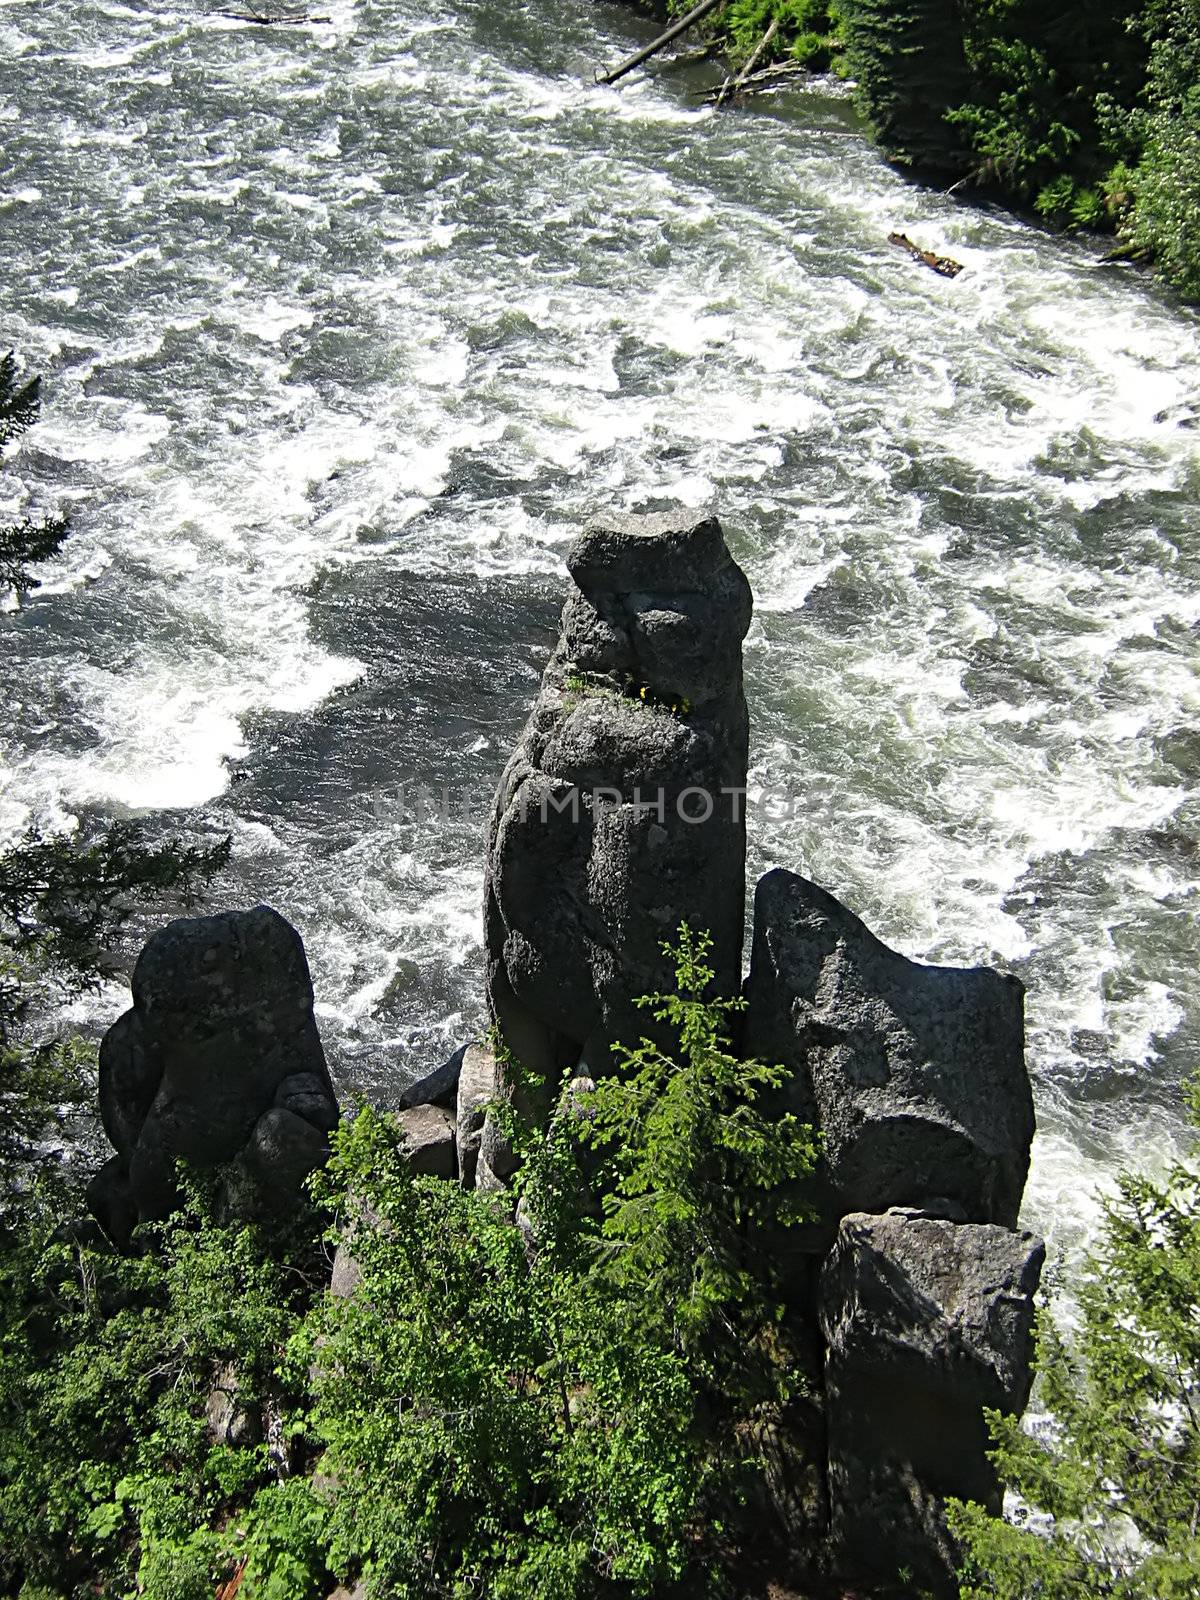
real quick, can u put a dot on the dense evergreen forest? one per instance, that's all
(1087, 114)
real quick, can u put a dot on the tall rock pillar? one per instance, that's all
(621, 812)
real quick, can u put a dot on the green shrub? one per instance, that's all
(107, 1470)
(1165, 220)
(538, 1397)
(538, 1407)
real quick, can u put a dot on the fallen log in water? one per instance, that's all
(262, 20)
(696, 14)
(735, 85)
(936, 263)
(759, 82)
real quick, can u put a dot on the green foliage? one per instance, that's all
(910, 64)
(1165, 219)
(1118, 1471)
(1035, 78)
(32, 540)
(694, 1174)
(108, 1468)
(538, 1393)
(806, 30)
(549, 1406)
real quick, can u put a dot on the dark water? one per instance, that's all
(348, 327)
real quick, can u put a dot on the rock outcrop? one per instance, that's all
(914, 1074)
(218, 1062)
(476, 1087)
(926, 1322)
(908, 1298)
(620, 814)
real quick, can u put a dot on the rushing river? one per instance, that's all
(347, 327)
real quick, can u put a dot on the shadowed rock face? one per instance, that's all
(218, 1062)
(590, 864)
(915, 1074)
(926, 1322)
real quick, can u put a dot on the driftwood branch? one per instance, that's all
(691, 58)
(760, 82)
(263, 19)
(696, 14)
(936, 263)
(733, 86)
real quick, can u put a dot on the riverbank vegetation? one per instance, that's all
(1089, 115)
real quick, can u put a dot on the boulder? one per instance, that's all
(621, 814)
(346, 1274)
(231, 1419)
(438, 1087)
(429, 1140)
(476, 1087)
(915, 1074)
(218, 1062)
(925, 1322)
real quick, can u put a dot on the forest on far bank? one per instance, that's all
(1086, 114)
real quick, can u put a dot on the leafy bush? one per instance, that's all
(110, 1472)
(1118, 1469)
(1165, 220)
(537, 1394)
(544, 1406)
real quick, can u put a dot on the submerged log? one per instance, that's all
(696, 14)
(940, 264)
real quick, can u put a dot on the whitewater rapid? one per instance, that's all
(346, 329)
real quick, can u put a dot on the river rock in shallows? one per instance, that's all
(915, 1074)
(219, 1062)
(926, 1322)
(591, 865)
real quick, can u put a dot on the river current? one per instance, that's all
(347, 327)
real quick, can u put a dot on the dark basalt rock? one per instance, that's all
(438, 1087)
(926, 1322)
(218, 1062)
(587, 873)
(915, 1074)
